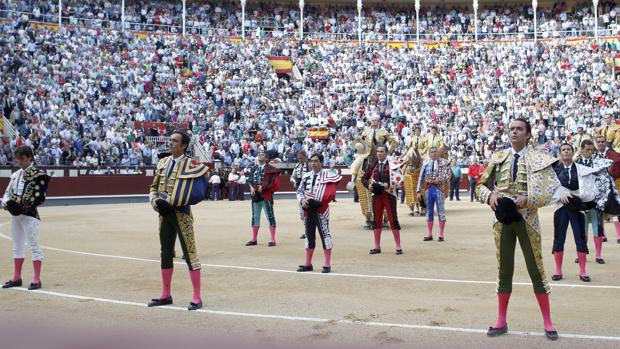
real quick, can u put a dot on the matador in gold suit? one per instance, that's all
(435, 139)
(357, 172)
(611, 131)
(412, 163)
(524, 176)
(377, 135)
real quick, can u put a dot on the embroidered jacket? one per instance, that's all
(603, 182)
(381, 136)
(35, 182)
(323, 190)
(299, 171)
(267, 176)
(611, 134)
(186, 184)
(439, 175)
(536, 180)
(390, 176)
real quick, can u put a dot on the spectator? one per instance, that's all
(455, 180)
(214, 184)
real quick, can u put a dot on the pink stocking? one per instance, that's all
(194, 275)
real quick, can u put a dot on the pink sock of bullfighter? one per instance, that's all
(309, 253)
(194, 275)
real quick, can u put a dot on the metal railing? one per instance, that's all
(9, 130)
(198, 150)
(612, 30)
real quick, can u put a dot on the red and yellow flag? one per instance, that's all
(281, 64)
(318, 133)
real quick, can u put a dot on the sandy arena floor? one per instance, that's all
(102, 267)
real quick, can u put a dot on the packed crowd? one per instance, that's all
(76, 94)
(380, 22)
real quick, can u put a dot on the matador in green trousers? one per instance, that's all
(526, 177)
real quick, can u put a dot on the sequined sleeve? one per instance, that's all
(485, 187)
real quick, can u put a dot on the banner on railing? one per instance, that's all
(41, 25)
(143, 31)
(281, 64)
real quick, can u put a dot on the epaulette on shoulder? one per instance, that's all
(538, 160)
(163, 162)
(500, 156)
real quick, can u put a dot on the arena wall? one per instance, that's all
(70, 182)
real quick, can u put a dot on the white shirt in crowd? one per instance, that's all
(215, 179)
(242, 179)
(233, 177)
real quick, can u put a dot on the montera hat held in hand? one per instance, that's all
(506, 211)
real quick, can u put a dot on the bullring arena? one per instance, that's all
(96, 93)
(102, 267)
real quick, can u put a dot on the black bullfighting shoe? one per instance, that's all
(194, 306)
(158, 302)
(304, 268)
(552, 335)
(34, 286)
(11, 283)
(494, 331)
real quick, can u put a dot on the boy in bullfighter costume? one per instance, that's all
(264, 180)
(435, 174)
(316, 190)
(378, 179)
(25, 192)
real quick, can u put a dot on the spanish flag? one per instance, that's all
(281, 64)
(318, 133)
(617, 63)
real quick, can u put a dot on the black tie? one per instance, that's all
(313, 181)
(381, 168)
(374, 136)
(171, 168)
(515, 167)
(433, 167)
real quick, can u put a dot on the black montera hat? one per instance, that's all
(575, 204)
(14, 208)
(506, 211)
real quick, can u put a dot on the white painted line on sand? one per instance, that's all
(349, 275)
(307, 319)
(128, 196)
